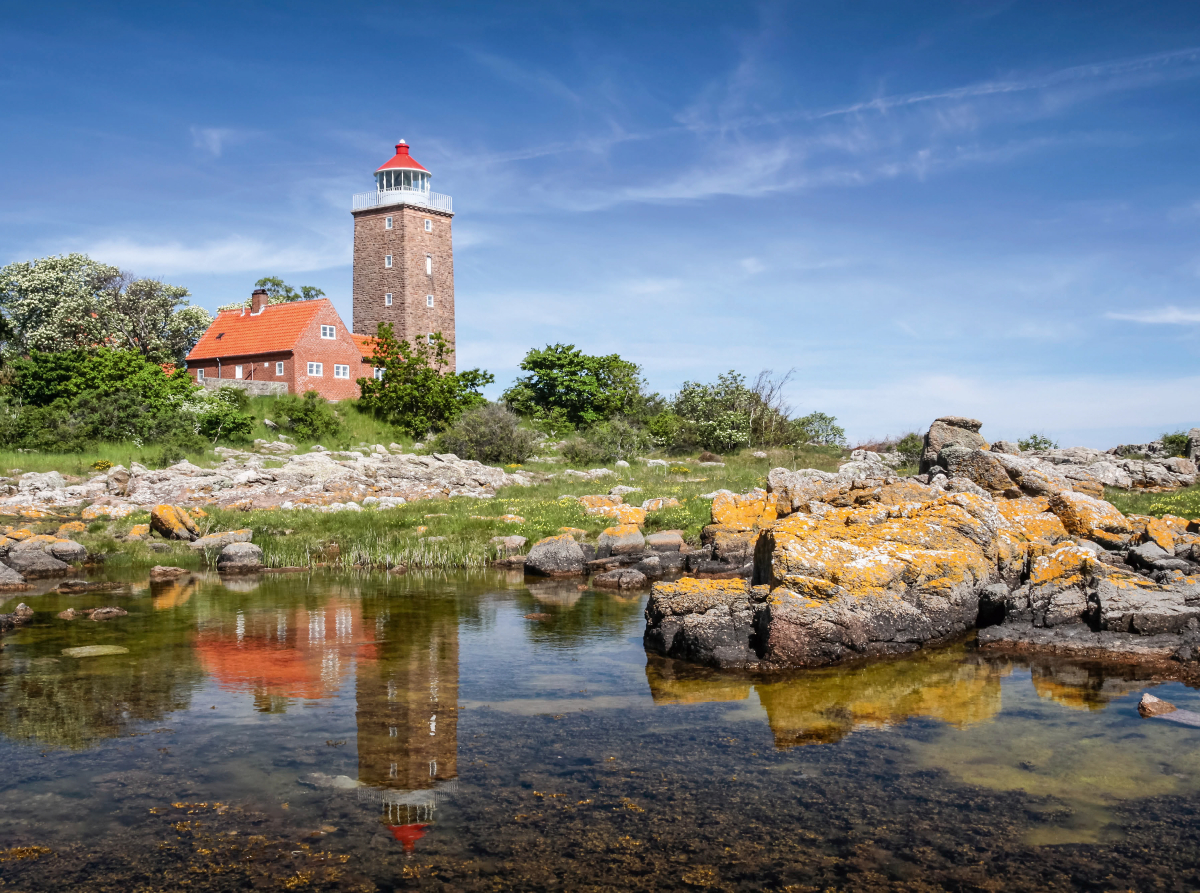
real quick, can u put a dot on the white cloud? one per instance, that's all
(232, 255)
(214, 139)
(1169, 315)
(752, 265)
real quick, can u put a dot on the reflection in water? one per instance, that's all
(823, 706)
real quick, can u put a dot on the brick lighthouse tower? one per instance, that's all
(403, 255)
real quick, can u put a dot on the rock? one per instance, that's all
(20, 614)
(758, 454)
(508, 545)
(94, 650)
(161, 573)
(75, 587)
(620, 540)
(106, 613)
(240, 558)
(622, 491)
(660, 503)
(68, 551)
(624, 578)
(36, 563)
(1083, 515)
(621, 463)
(555, 556)
(173, 522)
(657, 463)
(704, 621)
(11, 579)
(1152, 706)
(69, 614)
(1005, 446)
(665, 542)
(950, 430)
(221, 540)
(34, 482)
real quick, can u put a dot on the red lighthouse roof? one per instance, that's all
(402, 160)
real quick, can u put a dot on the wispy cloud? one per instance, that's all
(1169, 315)
(232, 255)
(213, 140)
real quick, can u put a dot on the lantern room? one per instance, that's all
(402, 172)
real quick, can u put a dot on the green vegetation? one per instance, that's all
(1036, 442)
(309, 418)
(607, 442)
(278, 292)
(1176, 444)
(566, 387)
(490, 434)
(1184, 502)
(414, 394)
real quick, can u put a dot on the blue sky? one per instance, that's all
(985, 209)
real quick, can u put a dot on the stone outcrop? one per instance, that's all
(947, 431)
(857, 567)
(555, 556)
(221, 540)
(173, 522)
(240, 558)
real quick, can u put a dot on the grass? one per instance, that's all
(1184, 502)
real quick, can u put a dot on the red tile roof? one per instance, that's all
(235, 333)
(366, 344)
(401, 160)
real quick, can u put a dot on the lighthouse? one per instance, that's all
(403, 253)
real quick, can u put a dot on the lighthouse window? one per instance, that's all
(387, 260)
(428, 265)
(429, 300)
(387, 222)
(428, 226)
(387, 300)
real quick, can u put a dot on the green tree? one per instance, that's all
(278, 292)
(579, 388)
(70, 301)
(819, 428)
(414, 392)
(719, 413)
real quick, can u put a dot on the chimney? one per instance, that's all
(258, 301)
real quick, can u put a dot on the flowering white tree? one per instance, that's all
(70, 301)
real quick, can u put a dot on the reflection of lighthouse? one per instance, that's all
(408, 719)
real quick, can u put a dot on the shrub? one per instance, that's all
(911, 446)
(414, 393)
(309, 417)
(706, 456)
(582, 388)
(490, 434)
(819, 428)
(1175, 444)
(1036, 442)
(224, 416)
(607, 442)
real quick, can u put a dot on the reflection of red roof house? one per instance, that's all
(303, 344)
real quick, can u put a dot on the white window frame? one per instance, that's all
(387, 222)
(429, 337)
(429, 300)
(279, 367)
(378, 373)
(331, 330)
(316, 370)
(428, 226)
(341, 371)
(199, 375)
(429, 265)
(387, 299)
(237, 371)
(387, 261)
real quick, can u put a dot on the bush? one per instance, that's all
(489, 434)
(819, 428)
(1036, 442)
(582, 389)
(309, 417)
(225, 416)
(607, 442)
(911, 446)
(1175, 444)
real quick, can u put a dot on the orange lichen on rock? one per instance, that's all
(601, 501)
(574, 532)
(625, 514)
(1064, 566)
(907, 491)
(139, 530)
(94, 512)
(1081, 515)
(71, 527)
(1089, 488)
(173, 522)
(18, 533)
(749, 511)
(1153, 530)
(660, 503)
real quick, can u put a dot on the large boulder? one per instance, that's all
(221, 540)
(620, 540)
(621, 578)
(36, 563)
(555, 556)
(34, 482)
(704, 621)
(950, 430)
(10, 579)
(173, 522)
(240, 558)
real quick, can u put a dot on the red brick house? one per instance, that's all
(303, 344)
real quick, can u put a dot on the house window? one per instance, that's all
(387, 300)
(428, 226)
(428, 265)
(429, 300)
(237, 371)
(315, 369)
(387, 222)
(328, 332)
(378, 373)
(387, 260)
(341, 371)
(199, 375)
(279, 368)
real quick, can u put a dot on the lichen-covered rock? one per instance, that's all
(555, 556)
(163, 573)
(950, 430)
(620, 578)
(65, 530)
(173, 522)
(620, 540)
(221, 540)
(1082, 515)
(665, 541)
(659, 503)
(240, 558)
(704, 621)
(34, 482)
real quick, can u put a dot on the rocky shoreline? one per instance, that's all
(863, 564)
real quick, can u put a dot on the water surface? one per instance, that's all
(379, 733)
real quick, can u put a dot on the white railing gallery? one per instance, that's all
(378, 198)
